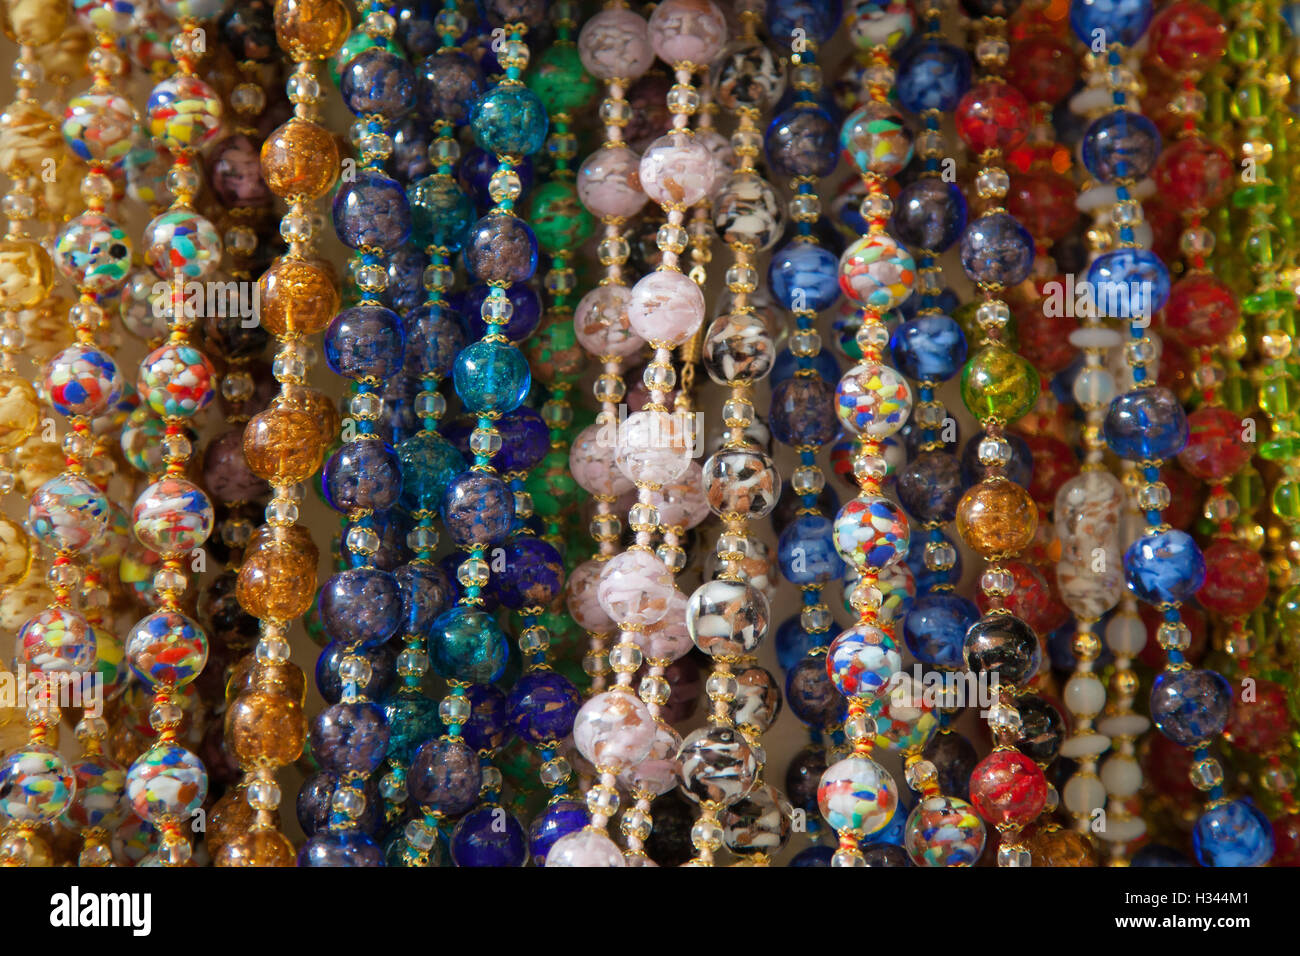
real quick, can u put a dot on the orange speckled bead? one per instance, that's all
(240, 677)
(265, 536)
(300, 160)
(297, 295)
(282, 678)
(318, 405)
(282, 445)
(265, 730)
(26, 273)
(311, 29)
(997, 518)
(277, 582)
(1058, 847)
(260, 847)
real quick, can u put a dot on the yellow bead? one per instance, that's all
(300, 160)
(311, 29)
(20, 411)
(26, 273)
(28, 137)
(997, 518)
(15, 552)
(33, 22)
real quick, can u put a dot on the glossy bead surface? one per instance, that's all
(996, 249)
(1234, 834)
(445, 776)
(363, 474)
(857, 796)
(1146, 424)
(1190, 706)
(1164, 567)
(372, 210)
(479, 508)
(509, 120)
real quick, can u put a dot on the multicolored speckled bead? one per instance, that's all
(172, 516)
(176, 381)
(184, 112)
(181, 241)
(873, 399)
(166, 649)
(100, 126)
(68, 513)
(871, 531)
(944, 831)
(36, 785)
(94, 253)
(166, 781)
(857, 796)
(82, 380)
(877, 271)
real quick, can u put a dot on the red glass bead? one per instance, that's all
(1153, 654)
(993, 115)
(1043, 67)
(1044, 339)
(1236, 581)
(1008, 787)
(1286, 841)
(1166, 225)
(1054, 464)
(1187, 36)
(1215, 449)
(1043, 201)
(1167, 766)
(1162, 87)
(1259, 725)
(1176, 363)
(1194, 173)
(1185, 496)
(1201, 311)
(1031, 598)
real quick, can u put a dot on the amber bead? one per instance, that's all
(20, 410)
(241, 677)
(297, 295)
(283, 678)
(64, 59)
(33, 22)
(266, 536)
(318, 405)
(997, 518)
(28, 136)
(256, 848)
(26, 274)
(282, 445)
(277, 582)
(1057, 847)
(229, 817)
(300, 160)
(15, 552)
(265, 730)
(311, 29)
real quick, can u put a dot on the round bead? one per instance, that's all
(666, 307)
(1008, 788)
(68, 513)
(94, 253)
(873, 399)
(998, 385)
(372, 211)
(1146, 424)
(57, 640)
(445, 777)
(997, 250)
(1120, 144)
(877, 272)
(176, 381)
(654, 447)
(36, 785)
(447, 83)
(300, 159)
(807, 553)
(614, 731)
(1233, 834)
(172, 516)
(717, 766)
(542, 707)
(741, 481)
(934, 76)
(863, 661)
(944, 831)
(183, 113)
(1190, 707)
(166, 649)
(509, 120)
(378, 82)
(687, 31)
(877, 139)
(1116, 21)
(99, 126)
(82, 380)
(1165, 567)
(166, 781)
(802, 141)
(363, 474)
(635, 587)
(585, 848)
(478, 508)
(182, 242)
(997, 518)
(857, 796)
(501, 249)
(361, 605)
(727, 619)
(483, 837)
(803, 411)
(1129, 284)
(615, 44)
(677, 168)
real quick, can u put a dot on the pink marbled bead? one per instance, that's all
(654, 447)
(666, 307)
(585, 848)
(580, 598)
(678, 168)
(636, 588)
(615, 45)
(601, 323)
(724, 158)
(614, 730)
(609, 182)
(591, 461)
(681, 502)
(657, 774)
(667, 639)
(688, 31)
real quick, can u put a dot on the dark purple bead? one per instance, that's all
(558, 819)
(433, 337)
(804, 775)
(317, 794)
(930, 486)
(411, 141)
(363, 474)
(372, 210)
(248, 31)
(378, 82)
(365, 342)
(226, 474)
(341, 848)
(406, 279)
(502, 249)
(383, 671)
(416, 30)
(392, 527)
(997, 249)
(235, 172)
(426, 593)
(803, 411)
(489, 718)
(929, 214)
(955, 758)
(1020, 469)
(478, 508)
(525, 440)
(885, 854)
(447, 84)
(445, 777)
(531, 13)
(542, 707)
(489, 837)
(803, 141)
(525, 316)
(812, 696)
(361, 605)
(350, 738)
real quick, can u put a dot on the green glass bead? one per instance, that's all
(1248, 488)
(560, 222)
(1260, 245)
(1258, 194)
(1286, 500)
(1265, 301)
(997, 384)
(1244, 45)
(1280, 397)
(560, 81)
(1237, 394)
(1280, 449)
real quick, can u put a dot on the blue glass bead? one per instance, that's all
(361, 605)
(1165, 567)
(817, 855)
(365, 343)
(405, 279)
(1234, 834)
(350, 738)
(434, 337)
(1120, 21)
(803, 411)
(533, 576)
(363, 474)
(929, 348)
(1019, 469)
(316, 795)
(489, 722)
(787, 363)
(378, 82)
(805, 276)
(501, 249)
(525, 311)
(913, 436)
(491, 377)
(542, 706)
(426, 593)
(1120, 145)
(412, 719)
(806, 550)
(558, 819)
(411, 140)
(525, 440)
(818, 19)
(933, 76)
(445, 776)
(475, 175)
(489, 836)
(997, 249)
(1157, 854)
(929, 214)
(930, 486)
(392, 527)
(1190, 706)
(935, 629)
(802, 141)
(372, 211)
(509, 120)
(341, 848)
(793, 643)
(946, 302)
(429, 464)
(1146, 424)
(1128, 284)
(447, 84)
(383, 671)
(441, 212)
(893, 832)
(467, 644)
(811, 695)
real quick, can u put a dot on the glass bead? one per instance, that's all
(558, 78)
(82, 380)
(802, 141)
(172, 516)
(300, 159)
(993, 115)
(717, 765)
(297, 295)
(429, 463)
(1120, 21)
(665, 307)
(1003, 647)
(183, 113)
(930, 214)
(491, 377)
(655, 447)
(166, 781)
(166, 649)
(509, 120)
(372, 211)
(635, 587)
(585, 848)
(37, 785)
(57, 640)
(803, 411)
(1146, 424)
(863, 661)
(478, 508)
(1193, 173)
(277, 582)
(433, 338)
(944, 831)
(1190, 707)
(350, 738)
(997, 250)
(441, 212)
(365, 343)
(930, 486)
(741, 481)
(807, 553)
(727, 619)
(363, 475)
(1233, 834)
(176, 381)
(748, 74)
(94, 253)
(873, 23)
(877, 272)
(447, 83)
(1236, 580)
(873, 399)
(871, 531)
(282, 445)
(998, 385)
(378, 82)
(614, 731)
(99, 126)
(1120, 145)
(488, 726)
(997, 518)
(350, 848)
(484, 837)
(857, 796)
(615, 44)
(181, 242)
(1165, 567)
(877, 140)
(805, 277)
(542, 707)
(1129, 284)
(361, 605)
(687, 31)
(533, 574)
(601, 322)
(1008, 788)
(736, 349)
(68, 513)
(501, 249)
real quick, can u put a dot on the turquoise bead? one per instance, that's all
(467, 644)
(491, 377)
(509, 120)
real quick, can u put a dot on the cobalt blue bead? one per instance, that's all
(542, 706)
(429, 463)
(1128, 284)
(501, 249)
(818, 19)
(892, 834)
(1190, 706)
(793, 643)
(929, 214)
(946, 302)
(411, 149)
(491, 377)
(489, 722)
(365, 343)
(525, 440)
(361, 605)
(1165, 567)
(434, 337)
(803, 141)
(467, 644)
(929, 486)
(447, 84)
(378, 82)
(787, 363)
(1120, 21)
(445, 776)
(341, 848)
(363, 474)
(558, 819)
(525, 314)
(1234, 834)
(934, 76)
(509, 120)
(316, 796)
(811, 694)
(803, 411)
(1120, 145)
(935, 629)
(912, 436)
(383, 671)
(818, 855)
(475, 175)
(997, 249)
(489, 836)
(372, 211)
(350, 738)
(806, 550)
(405, 279)
(441, 212)
(533, 575)
(929, 348)
(1146, 424)
(478, 508)
(426, 593)
(412, 719)
(805, 276)
(1019, 469)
